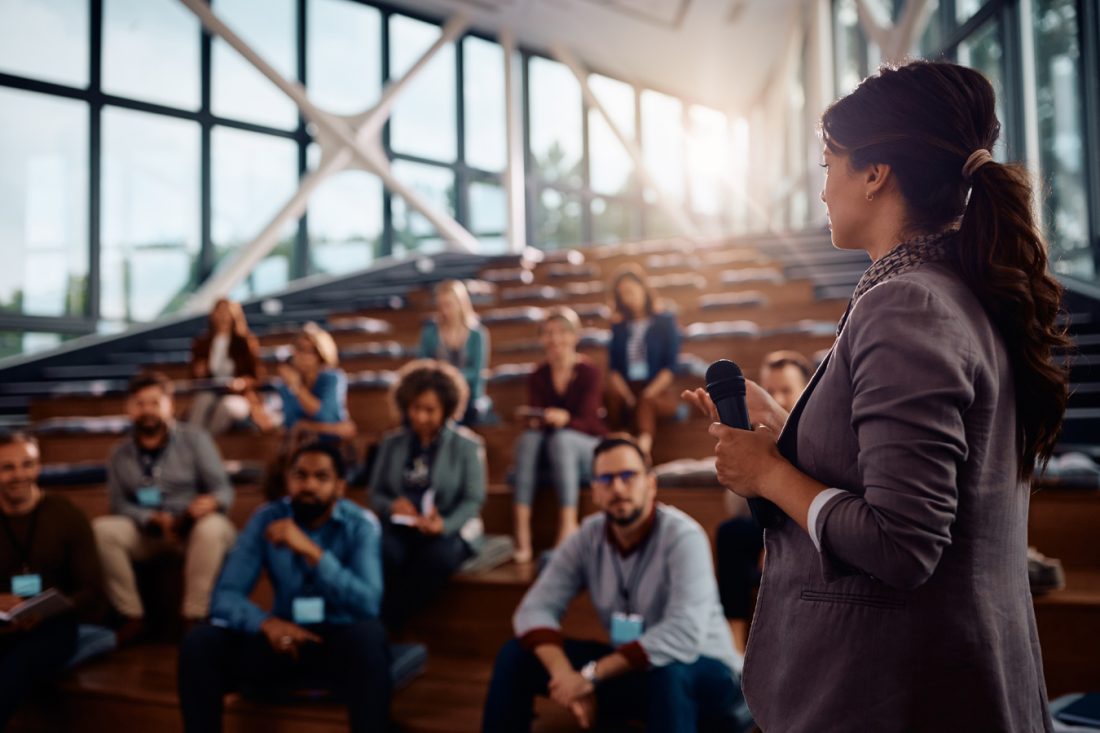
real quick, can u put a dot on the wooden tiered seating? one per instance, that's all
(1063, 524)
(136, 688)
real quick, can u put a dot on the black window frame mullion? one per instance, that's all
(93, 289)
(206, 261)
(461, 173)
(1012, 68)
(300, 257)
(386, 248)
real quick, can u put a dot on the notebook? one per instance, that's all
(44, 605)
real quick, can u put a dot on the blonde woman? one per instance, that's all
(457, 337)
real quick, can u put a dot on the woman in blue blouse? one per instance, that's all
(645, 344)
(314, 389)
(457, 337)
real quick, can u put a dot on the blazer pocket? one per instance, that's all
(853, 599)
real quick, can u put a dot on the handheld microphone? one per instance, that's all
(726, 387)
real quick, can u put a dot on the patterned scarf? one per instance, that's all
(906, 256)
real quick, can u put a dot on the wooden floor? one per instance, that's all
(135, 689)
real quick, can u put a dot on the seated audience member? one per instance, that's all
(428, 485)
(228, 351)
(322, 555)
(314, 390)
(457, 337)
(168, 491)
(564, 398)
(740, 540)
(47, 544)
(647, 569)
(645, 344)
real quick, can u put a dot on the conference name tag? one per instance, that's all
(309, 610)
(26, 586)
(637, 371)
(149, 497)
(626, 627)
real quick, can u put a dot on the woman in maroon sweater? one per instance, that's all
(564, 398)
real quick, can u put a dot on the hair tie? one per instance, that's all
(977, 159)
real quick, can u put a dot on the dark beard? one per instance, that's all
(308, 511)
(149, 428)
(628, 519)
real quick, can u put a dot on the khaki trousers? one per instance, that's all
(121, 543)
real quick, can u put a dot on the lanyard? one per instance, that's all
(24, 551)
(624, 584)
(149, 462)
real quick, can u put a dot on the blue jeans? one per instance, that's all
(676, 698)
(28, 658)
(353, 662)
(569, 455)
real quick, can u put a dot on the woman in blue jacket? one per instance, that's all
(645, 344)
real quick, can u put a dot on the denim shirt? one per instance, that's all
(348, 577)
(331, 389)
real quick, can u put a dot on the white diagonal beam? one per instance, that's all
(372, 123)
(225, 278)
(362, 147)
(895, 40)
(677, 213)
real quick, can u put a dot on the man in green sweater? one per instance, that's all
(45, 543)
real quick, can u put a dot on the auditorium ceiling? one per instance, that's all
(720, 52)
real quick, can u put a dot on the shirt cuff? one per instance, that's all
(538, 637)
(635, 654)
(816, 506)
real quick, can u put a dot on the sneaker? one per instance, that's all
(1044, 573)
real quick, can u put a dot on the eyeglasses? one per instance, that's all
(604, 480)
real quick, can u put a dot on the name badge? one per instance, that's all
(637, 371)
(626, 627)
(310, 610)
(26, 586)
(150, 497)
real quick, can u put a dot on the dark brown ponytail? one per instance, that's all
(1003, 258)
(925, 119)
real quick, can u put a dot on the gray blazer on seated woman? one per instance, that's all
(428, 485)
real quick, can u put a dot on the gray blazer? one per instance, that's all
(458, 477)
(916, 615)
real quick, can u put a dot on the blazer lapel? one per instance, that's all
(442, 462)
(788, 438)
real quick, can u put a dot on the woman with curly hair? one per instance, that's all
(427, 485)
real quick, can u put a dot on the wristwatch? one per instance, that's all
(588, 671)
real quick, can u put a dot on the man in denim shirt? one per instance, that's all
(322, 555)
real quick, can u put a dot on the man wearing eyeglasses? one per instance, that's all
(648, 570)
